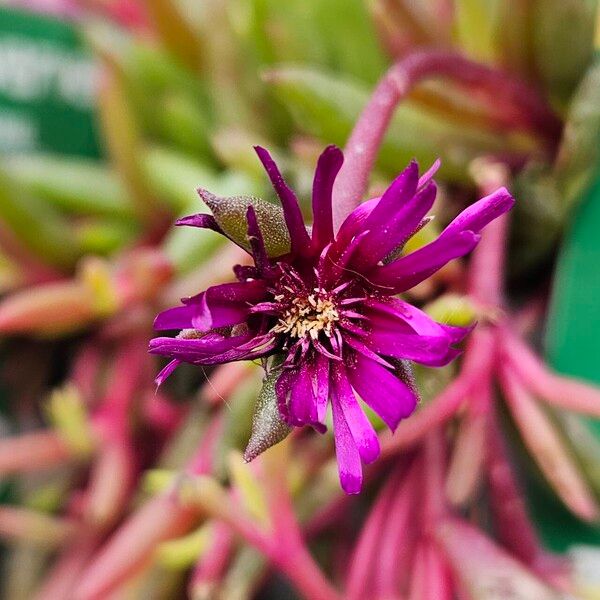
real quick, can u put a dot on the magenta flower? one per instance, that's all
(324, 306)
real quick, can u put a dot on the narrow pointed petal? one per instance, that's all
(361, 429)
(202, 220)
(291, 208)
(475, 217)
(433, 351)
(257, 243)
(410, 270)
(429, 174)
(419, 321)
(354, 223)
(394, 218)
(348, 458)
(321, 386)
(214, 349)
(283, 385)
(221, 305)
(328, 166)
(166, 372)
(458, 239)
(387, 395)
(363, 349)
(302, 405)
(179, 317)
(398, 227)
(401, 190)
(192, 350)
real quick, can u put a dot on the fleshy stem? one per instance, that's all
(527, 107)
(283, 545)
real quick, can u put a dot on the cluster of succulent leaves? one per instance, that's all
(187, 106)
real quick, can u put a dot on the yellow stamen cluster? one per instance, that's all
(308, 316)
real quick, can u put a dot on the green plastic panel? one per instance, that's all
(573, 348)
(47, 86)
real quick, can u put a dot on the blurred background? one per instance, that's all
(112, 113)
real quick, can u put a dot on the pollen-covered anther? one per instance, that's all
(308, 316)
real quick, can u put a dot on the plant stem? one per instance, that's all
(526, 107)
(486, 271)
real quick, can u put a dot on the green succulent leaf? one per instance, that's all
(37, 225)
(474, 27)
(579, 153)
(563, 42)
(76, 185)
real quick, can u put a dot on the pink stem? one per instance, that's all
(432, 415)
(469, 448)
(513, 526)
(26, 524)
(365, 552)
(430, 577)
(548, 448)
(112, 480)
(86, 368)
(486, 272)
(65, 573)
(33, 452)
(210, 568)
(434, 506)
(396, 537)
(129, 363)
(558, 391)
(286, 547)
(33, 269)
(529, 109)
(131, 547)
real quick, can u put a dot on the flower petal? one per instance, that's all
(354, 222)
(179, 317)
(321, 386)
(475, 217)
(257, 243)
(458, 239)
(166, 372)
(429, 174)
(291, 209)
(387, 395)
(202, 220)
(361, 429)
(433, 351)
(409, 270)
(226, 304)
(390, 311)
(328, 166)
(194, 349)
(394, 228)
(302, 405)
(348, 458)
(213, 348)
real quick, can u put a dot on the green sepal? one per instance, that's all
(230, 214)
(268, 428)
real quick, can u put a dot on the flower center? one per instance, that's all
(307, 316)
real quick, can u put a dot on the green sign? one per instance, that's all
(47, 86)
